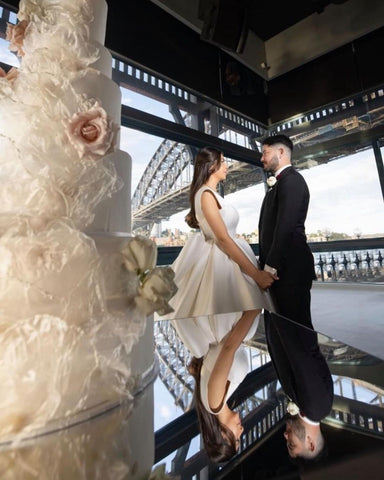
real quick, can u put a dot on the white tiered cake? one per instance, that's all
(76, 368)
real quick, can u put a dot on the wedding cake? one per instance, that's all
(76, 289)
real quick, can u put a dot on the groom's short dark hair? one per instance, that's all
(274, 139)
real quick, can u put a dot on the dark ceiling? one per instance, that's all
(291, 57)
(296, 56)
(268, 18)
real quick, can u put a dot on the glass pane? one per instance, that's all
(6, 56)
(346, 200)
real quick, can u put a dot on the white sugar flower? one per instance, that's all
(157, 288)
(139, 254)
(271, 181)
(155, 285)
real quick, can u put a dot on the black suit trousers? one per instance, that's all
(300, 366)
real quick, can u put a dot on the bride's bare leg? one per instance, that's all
(217, 383)
(239, 330)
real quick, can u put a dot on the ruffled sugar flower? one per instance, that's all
(271, 181)
(156, 286)
(91, 132)
(15, 34)
(293, 409)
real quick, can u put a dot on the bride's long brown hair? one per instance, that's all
(219, 441)
(207, 161)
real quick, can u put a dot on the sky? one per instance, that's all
(345, 193)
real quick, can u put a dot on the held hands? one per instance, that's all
(265, 279)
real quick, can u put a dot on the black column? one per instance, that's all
(379, 163)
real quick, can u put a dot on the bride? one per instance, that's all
(221, 293)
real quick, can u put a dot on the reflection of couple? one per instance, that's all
(222, 290)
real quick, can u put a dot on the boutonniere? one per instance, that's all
(271, 181)
(292, 408)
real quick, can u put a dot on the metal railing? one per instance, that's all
(349, 260)
(358, 260)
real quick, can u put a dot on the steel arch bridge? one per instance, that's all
(164, 187)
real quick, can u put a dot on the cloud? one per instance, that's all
(165, 412)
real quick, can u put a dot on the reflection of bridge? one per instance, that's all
(357, 407)
(174, 359)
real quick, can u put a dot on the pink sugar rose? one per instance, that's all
(91, 132)
(15, 35)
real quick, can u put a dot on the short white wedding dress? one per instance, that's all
(212, 290)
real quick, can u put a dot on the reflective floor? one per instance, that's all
(353, 430)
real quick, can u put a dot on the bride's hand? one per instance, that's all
(265, 279)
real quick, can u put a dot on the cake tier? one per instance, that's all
(95, 85)
(52, 371)
(50, 17)
(120, 289)
(109, 442)
(67, 293)
(113, 215)
(104, 62)
(98, 26)
(52, 272)
(73, 32)
(97, 31)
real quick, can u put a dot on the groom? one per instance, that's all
(294, 350)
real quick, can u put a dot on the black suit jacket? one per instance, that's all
(282, 240)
